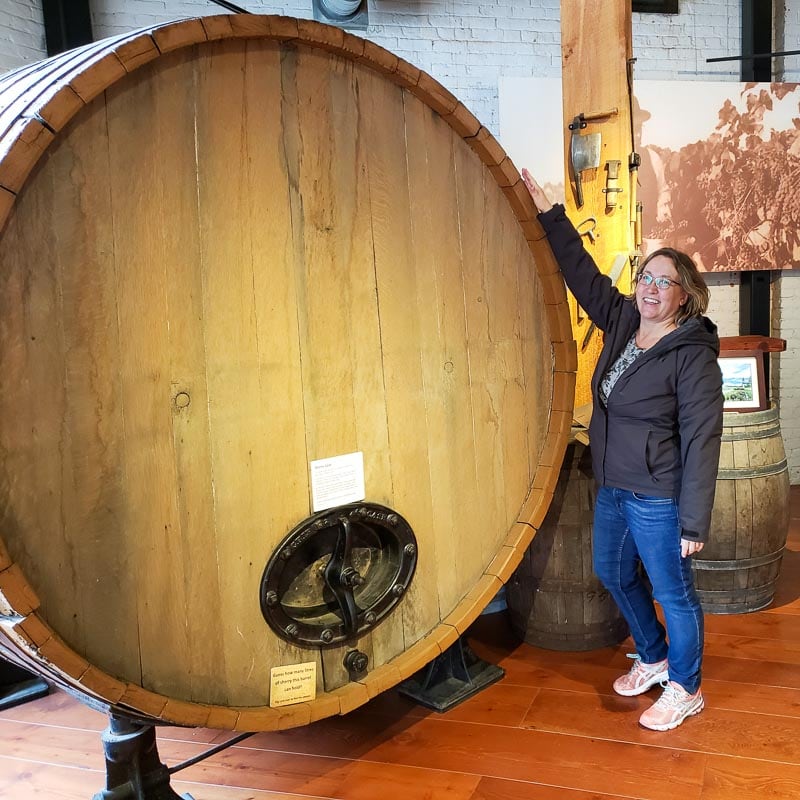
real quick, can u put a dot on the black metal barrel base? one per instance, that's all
(133, 768)
(450, 678)
(18, 686)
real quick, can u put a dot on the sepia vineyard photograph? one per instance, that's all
(731, 197)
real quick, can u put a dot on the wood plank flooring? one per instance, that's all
(550, 730)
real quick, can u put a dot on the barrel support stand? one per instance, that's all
(452, 677)
(133, 768)
(17, 685)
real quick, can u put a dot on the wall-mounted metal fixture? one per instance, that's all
(344, 13)
(612, 188)
(778, 54)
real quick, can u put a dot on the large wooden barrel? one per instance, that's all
(738, 568)
(554, 598)
(233, 246)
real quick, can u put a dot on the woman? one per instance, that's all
(655, 436)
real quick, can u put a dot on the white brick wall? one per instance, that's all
(21, 33)
(676, 46)
(468, 45)
(791, 40)
(723, 306)
(464, 44)
(786, 366)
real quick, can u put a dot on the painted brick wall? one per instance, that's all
(791, 40)
(723, 306)
(468, 44)
(785, 376)
(668, 46)
(21, 33)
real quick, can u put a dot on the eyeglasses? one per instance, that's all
(661, 282)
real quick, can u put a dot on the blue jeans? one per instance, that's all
(630, 528)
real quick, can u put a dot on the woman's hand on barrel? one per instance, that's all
(689, 547)
(538, 196)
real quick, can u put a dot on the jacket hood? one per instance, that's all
(700, 330)
(694, 331)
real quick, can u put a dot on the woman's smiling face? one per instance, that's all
(660, 305)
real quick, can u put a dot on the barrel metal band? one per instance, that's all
(744, 602)
(739, 563)
(733, 419)
(750, 591)
(760, 433)
(754, 472)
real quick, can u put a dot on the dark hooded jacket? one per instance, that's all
(659, 434)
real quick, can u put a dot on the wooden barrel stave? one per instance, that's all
(137, 326)
(555, 600)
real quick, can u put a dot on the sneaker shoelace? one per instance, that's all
(672, 697)
(637, 662)
(638, 665)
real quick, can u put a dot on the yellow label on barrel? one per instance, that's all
(295, 683)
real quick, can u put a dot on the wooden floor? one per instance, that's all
(550, 730)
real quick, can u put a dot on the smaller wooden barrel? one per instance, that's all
(739, 566)
(554, 598)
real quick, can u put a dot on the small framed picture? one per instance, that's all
(743, 380)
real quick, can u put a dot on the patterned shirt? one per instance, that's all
(631, 352)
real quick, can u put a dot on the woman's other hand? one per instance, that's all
(689, 548)
(537, 193)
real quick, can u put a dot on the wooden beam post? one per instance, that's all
(596, 55)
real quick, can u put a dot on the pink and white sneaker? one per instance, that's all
(672, 708)
(641, 677)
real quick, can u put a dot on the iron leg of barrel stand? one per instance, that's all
(451, 678)
(133, 768)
